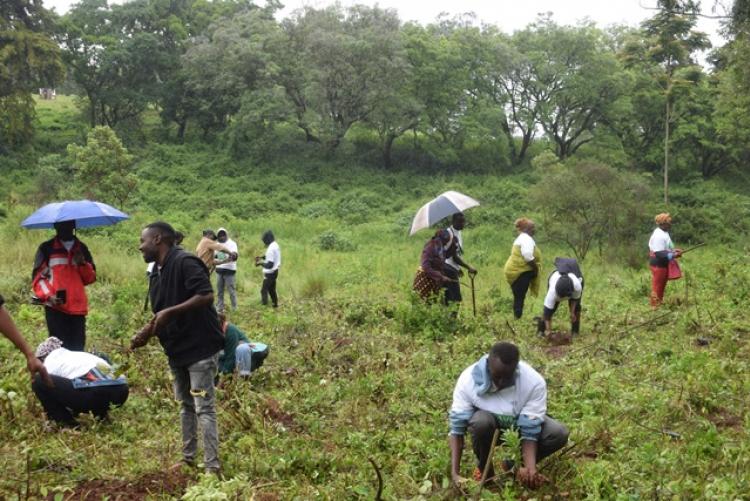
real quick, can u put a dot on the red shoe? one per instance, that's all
(477, 475)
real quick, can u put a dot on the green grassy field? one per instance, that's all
(358, 371)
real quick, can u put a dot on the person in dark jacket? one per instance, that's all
(63, 266)
(187, 326)
(271, 263)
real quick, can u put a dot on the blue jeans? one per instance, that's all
(243, 357)
(228, 281)
(194, 389)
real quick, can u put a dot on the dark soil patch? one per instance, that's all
(342, 341)
(266, 496)
(170, 482)
(556, 351)
(559, 338)
(274, 412)
(722, 418)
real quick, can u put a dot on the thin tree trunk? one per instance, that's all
(666, 156)
(181, 130)
(387, 147)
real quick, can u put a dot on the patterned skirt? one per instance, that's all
(424, 285)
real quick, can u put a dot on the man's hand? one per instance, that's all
(142, 336)
(160, 320)
(472, 271)
(458, 480)
(678, 253)
(530, 478)
(36, 366)
(78, 259)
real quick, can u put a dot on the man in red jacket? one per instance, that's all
(63, 266)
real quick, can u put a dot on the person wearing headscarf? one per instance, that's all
(270, 264)
(82, 382)
(431, 276)
(523, 265)
(661, 253)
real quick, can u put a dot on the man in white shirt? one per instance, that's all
(498, 392)
(454, 261)
(270, 263)
(226, 269)
(82, 382)
(566, 282)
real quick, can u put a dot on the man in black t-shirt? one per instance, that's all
(187, 326)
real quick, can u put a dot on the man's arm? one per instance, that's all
(85, 263)
(528, 474)
(195, 281)
(572, 303)
(163, 317)
(463, 263)
(457, 446)
(530, 423)
(9, 329)
(39, 260)
(216, 246)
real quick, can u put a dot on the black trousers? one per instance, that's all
(70, 329)
(520, 287)
(483, 424)
(63, 402)
(452, 289)
(575, 327)
(269, 289)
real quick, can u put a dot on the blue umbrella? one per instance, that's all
(85, 213)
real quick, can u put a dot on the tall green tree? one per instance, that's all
(103, 167)
(335, 64)
(112, 67)
(572, 81)
(442, 80)
(667, 51)
(220, 68)
(732, 112)
(29, 59)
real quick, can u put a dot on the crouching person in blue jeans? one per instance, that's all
(187, 326)
(498, 392)
(239, 353)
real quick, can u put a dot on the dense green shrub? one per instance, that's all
(332, 241)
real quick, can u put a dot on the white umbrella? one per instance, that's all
(442, 206)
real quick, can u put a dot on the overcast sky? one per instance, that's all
(504, 13)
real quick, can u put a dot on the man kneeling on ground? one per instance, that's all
(498, 392)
